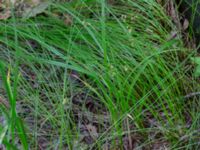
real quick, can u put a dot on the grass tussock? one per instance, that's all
(97, 75)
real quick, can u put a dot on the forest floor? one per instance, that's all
(97, 74)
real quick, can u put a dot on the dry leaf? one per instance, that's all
(5, 6)
(36, 2)
(67, 19)
(185, 24)
(5, 15)
(159, 1)
(23, 8)
(32, 12)
(92, 130)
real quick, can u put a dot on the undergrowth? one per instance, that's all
(97, 75)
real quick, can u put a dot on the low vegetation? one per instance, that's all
(97, 75)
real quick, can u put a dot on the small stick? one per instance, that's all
(191, 95)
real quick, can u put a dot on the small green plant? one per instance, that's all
(12, 123)
(196, 60)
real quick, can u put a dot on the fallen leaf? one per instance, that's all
(185, 24)
(67, 19)
(92, 130)
(36, 2)
(5, 15)
(159, 1)
(32, 12)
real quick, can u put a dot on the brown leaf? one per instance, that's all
(67, 19)
(185, 24)
(159, 1)
(92, 130)
(160, 145)
(5, 15)
(35, 2)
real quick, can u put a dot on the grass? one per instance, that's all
(114, 78)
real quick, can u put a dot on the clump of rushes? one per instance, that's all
(97, 74)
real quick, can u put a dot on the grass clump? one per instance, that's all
(94, 75)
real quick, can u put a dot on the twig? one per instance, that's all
(192, 95)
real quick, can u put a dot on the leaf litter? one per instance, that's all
(22, 8)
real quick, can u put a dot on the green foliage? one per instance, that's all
(120, 56)
(196, 60)
(13, 124)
